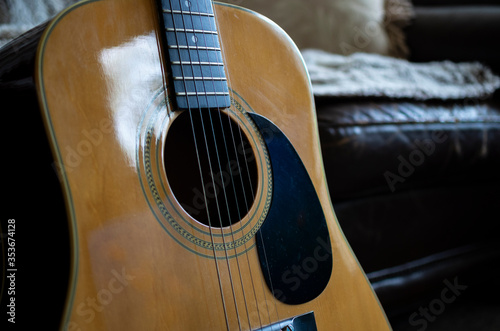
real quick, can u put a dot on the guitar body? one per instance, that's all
(139, 259)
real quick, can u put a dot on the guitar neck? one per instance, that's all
(193, 53)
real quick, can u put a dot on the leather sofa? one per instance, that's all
(416, 185)
(416, 225)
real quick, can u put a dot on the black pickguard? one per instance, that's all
(293, 243)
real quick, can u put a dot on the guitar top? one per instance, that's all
(185, 136)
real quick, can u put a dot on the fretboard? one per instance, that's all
(195, 58)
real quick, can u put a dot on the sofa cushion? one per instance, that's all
(339, 26)
(382, 146)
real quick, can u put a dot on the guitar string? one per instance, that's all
(199, 163)
(214, 38)
(260, 232)
(163, 70)
(263, 244)
(198, 154)
(247, 208)
(213, 183)
(242, 186)
(246, 163)
(204, 130)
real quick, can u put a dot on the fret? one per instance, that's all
(196, 63)
(200, 86)
(201, 78)
(191, 31)
(204, 93)
(197, 71)
(202, 102)
(200, 93)
(193, 56)
(181, 12)
(201, 48)
(199, 6)
(189, 22)
(193, 41)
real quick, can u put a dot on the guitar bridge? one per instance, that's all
(305, 322)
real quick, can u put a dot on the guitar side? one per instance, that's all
(102, 101)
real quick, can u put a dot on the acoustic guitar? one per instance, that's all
(185, 138)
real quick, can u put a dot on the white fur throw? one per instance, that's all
(18, 16)
(373, 75)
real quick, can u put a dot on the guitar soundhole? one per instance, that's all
(210, 167)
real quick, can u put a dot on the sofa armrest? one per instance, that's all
(454, 2)
(456, 33)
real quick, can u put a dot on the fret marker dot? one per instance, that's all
(194, 39)
(187, 3)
